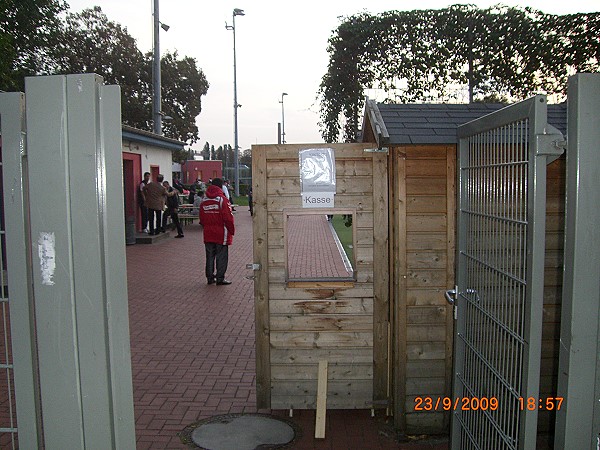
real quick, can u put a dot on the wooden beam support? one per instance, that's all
(321, 401)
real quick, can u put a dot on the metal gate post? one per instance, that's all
(18, 255)
(578, 421)
(79, 272)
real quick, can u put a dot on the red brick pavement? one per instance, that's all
(311, 235)
(193, 347)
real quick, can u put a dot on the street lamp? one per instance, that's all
(236, 105)
(282, 120)
(156, 82)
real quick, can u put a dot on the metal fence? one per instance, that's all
(20, 424)
(8, 415)
(500, 277)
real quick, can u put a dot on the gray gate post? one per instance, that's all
(578, 420)
(79, 271)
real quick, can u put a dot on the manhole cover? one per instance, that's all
(240, 432)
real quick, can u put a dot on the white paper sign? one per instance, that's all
(317, 177)
(318, 199)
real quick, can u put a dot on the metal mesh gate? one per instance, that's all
(500, 278)
(8, 424)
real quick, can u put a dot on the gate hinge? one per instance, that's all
(551, 144)
(377, 150)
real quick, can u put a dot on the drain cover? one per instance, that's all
(241, 432)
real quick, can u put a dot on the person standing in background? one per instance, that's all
(142, 201)
(219, 228)
(172, 209)
(155, 195)
(177, 184)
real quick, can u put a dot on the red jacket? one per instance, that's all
(216, 217)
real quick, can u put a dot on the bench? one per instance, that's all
(185, 213)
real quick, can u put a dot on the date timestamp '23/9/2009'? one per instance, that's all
(484, 403)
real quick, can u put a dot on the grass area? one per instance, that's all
(242, 200)
(345, 236)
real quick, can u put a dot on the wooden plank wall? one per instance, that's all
(422, 224)
(424, 221)
(299, 324)
(555, 227)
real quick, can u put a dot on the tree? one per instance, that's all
(92, 43)
(27, 30)
(246, 157)
(206, 151)
(424, 55)
(183, 86)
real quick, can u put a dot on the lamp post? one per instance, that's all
(236, 105)
(156, 81)
(282, 119)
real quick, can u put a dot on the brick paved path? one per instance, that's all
(192, 344)
(193, 347)
(313, 252)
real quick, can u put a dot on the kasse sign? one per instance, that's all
(318, 200)
(317, 177)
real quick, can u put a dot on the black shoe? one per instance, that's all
(211, 281)
(223, 282)
(179, 236)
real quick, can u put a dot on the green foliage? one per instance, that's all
(206, 151)
(246, 157)
(183, 85)
(424, 55)
(91, 43)
(28, 28)
(343, 228)
(33, 41)
(179, 156)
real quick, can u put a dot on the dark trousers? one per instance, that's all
(216, 253)
(175, 217)
(151, 214)
(144, 211)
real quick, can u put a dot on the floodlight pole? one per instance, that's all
(236, 105)
(156, 78)
(282, 119)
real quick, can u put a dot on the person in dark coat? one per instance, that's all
(172, 209)
(177, 185)
(142, 201)
(155, 195)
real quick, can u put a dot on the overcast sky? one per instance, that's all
(281, 47)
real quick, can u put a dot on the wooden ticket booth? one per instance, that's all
(384, 328)
(303, 315)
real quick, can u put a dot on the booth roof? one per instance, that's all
(427, 123)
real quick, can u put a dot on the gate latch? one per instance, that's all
(450, 296)
(253, 266)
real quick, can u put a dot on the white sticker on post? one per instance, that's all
(47, 254)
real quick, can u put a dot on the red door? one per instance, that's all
(132, 177)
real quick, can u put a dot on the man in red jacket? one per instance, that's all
(217, 220)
